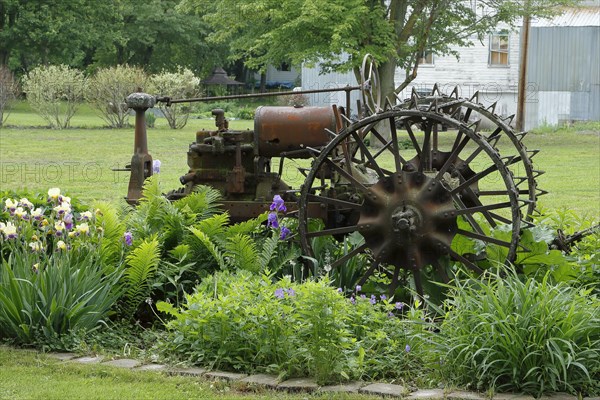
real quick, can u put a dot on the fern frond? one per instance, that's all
(203, 239)
(203, 203)
(242, 253)
(112, 223)
(214, 226)
(268, 251)
(249, 226)
(141, 268)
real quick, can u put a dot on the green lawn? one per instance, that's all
(79, 161)
(30, 375)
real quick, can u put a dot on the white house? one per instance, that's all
(563, 78)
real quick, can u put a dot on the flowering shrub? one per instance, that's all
(52, 278)
(55, 92)
(247, 322)
(177, 85)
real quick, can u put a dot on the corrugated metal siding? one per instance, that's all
(563, 75)
(580, 16)
(563, 58)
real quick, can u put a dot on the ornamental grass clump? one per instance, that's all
(529, 335)
(52, 277)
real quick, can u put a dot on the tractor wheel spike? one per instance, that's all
(475, 97)
(454, 92)
(330, 133)
(492, 107)
(435, 90)
(509, 119)
(414, 93)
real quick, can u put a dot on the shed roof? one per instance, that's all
(575, 16)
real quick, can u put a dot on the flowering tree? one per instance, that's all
(8, 92)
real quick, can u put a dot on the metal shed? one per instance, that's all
(563, 72)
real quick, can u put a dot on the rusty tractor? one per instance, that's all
(411, 178)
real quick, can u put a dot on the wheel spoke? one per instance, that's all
(333, 231)
(348, 256)
(452, 157)
(395, 149)
(335, 202)
(367, 153)
(472, 210)
(369, 272)
(483, 238)
(413, 138)
(348, 176)
(425, 160)
(464, 261)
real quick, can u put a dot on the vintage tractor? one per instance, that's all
(409, 178)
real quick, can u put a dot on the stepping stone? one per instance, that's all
(299, 385)
(512, 396)
(123, 363)
(384, 389)
(270, 381)
(88, 360)
(62, 356)
(433, 394)
(464, 395)
(226, 376)
(192, 371)
(152, 367)
(559, 396)
(350, 387)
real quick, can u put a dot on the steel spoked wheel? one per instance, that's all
(411, 196)
(499, 133)
(371, 96)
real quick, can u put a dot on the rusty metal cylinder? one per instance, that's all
(290, 129)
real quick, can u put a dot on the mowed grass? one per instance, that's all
(30, 375)
(80, 160)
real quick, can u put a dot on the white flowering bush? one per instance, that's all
(55, 92)
(108, 89)
(176, 85)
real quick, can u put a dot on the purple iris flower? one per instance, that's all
(278, 204)
(68, 220)
(340, 290)
(373, 300)
(352, 300)
(399, 305)
(383, 297)
(279, 293)
(272, 220)
(407, 348)
(358, 288)
(128, 238)
(285, 232)
(291, 292)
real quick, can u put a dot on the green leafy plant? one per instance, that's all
(508, 334)
(142, 262)
(249, 322)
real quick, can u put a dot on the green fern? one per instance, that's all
(204, 240)
(268, 252)
(203, 203)
(141, 268)
(241, 252)
(111, 251)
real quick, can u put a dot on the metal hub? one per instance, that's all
(408, 219)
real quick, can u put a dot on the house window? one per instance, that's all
(498, 49)
(284, 67)
(426, 58)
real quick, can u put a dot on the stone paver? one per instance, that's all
(226, 376)
(152, 367)
(591, 398)
(350, 387)
(88, 360)
(384, 389)
(464, 395)
(512, 396)
(270, 381)
(559, 396)
(192, 371)
(433, 394)
(62, 356)
(123, 363)
(299, 385)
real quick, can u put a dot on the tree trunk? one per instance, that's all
(263, 82)
(387, 71)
